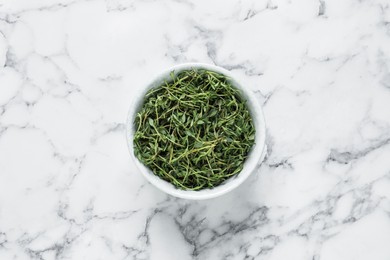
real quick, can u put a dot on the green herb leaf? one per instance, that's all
(183, 118)
(151, 122)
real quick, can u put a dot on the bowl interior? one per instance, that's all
(255, 157)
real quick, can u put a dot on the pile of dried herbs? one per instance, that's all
(194, 131)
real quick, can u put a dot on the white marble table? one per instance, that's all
(68, 189)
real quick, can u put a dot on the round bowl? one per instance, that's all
(255, 157)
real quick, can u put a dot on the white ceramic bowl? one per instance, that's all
(256, 154)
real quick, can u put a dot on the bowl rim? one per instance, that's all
(256, 155)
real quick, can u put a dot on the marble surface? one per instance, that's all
(320, 68)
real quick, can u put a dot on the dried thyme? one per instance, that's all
(194, 131)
